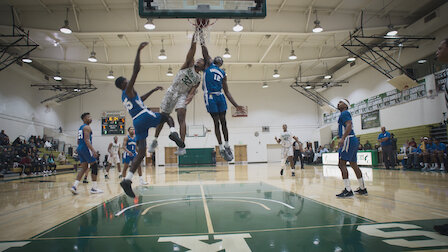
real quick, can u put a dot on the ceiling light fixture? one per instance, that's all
(308, 86)
(422, 61)
(328, 76)
(170, 72)
(26, 59)
(226, 54)
(317, 28)
(351, 58)
(92, 57)
(238, 27)
(276, 74)
(66, 28)
(162, 55)
(265, 85)
(111, 76)
(293, 55)
(149, 25)
(57, 77)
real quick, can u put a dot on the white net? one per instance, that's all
(202, 30)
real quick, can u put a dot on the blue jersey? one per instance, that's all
(130, 145)
(133, 105)
(81, 138)
(343, 118)
(441, 147)
(213, 77)
(431, 147)
(384, 135)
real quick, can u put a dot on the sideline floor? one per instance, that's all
(231, 208)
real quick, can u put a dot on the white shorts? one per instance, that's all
(171, 101)
(114, 159)
(287, 152)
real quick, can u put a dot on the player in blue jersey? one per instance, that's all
(87, 155)
(215, 81)
(143, 119)
(129, 148)
(348, 149)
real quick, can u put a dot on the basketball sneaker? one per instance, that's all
(126, 185)
(345, 194)
(229, 153)
(360, 191)
(85, 181)
(95, 190)
(120, 176)
(293, 174)
(281, 172)
(175, 137)
(74, 190)
(153, 146)
(142, 182)
(180, 151)
(106, 176)
(224, 154)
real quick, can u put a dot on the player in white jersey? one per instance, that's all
(286, 140)
(114, 157)
(180, 94)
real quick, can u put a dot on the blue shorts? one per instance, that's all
(349, 149)
(215, 103)
(85, 156)
(144, 122)
(127, 159)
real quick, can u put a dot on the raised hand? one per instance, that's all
(142, 45)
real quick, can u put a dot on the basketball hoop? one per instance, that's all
(202, 30)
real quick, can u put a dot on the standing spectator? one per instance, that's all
(386, 146)
(394, 148)
(62, 159)
(367, 145)
(440, 154)
(298, 149)
(4, 139)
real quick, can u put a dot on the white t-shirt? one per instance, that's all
(286, 139)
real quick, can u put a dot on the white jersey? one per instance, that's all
(114, 149)
(286, 140)
(185, 79)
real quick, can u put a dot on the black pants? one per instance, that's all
(388, 157)
(297, 155)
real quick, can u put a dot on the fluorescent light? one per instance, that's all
(227, 54)
(66, 28)
(328, 76)
(77, 90)
(55, 43)
(238, 27)
(392, 33)
(111, 76)
(92, 57)
(276, 74)
(308, 86)
(351, 59)
(292, 56)
(149, 25)
(265, 85)
(422, 61)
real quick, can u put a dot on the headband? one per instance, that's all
(345, 101)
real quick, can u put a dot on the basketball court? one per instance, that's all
(286, 63)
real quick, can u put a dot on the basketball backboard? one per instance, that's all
(232, 9)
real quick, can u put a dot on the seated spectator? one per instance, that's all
(413, 161)
(25, 162)
(440, 154)
(4, 139)
(17, 142)
(360, 147)
(62, 159)
(425, 154)
(39, 164)
(367, 145)
(51, 164)
(47, 145)
(39, 142)
(431, 147)
(412, 144)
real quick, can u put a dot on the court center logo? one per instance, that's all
(200, 243)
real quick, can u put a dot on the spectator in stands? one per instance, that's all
(367, 145)
(309, 155)
(62, 159)
(386, 145)
(39, 142)
(39, 164)
(440, 153)
(25, 162)
(431, 147)
(360, 147)
(17, 142)
(412, 144)
(47, 145)
(4, 139)
(413, 161)
(51, 164)
(425, 155)
(32, 144)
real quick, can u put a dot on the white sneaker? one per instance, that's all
(74, 190)
(95, 190)
(180, 152)
(153, 146)
(142, 182)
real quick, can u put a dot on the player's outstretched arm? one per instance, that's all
(229, 96)
(206, 56)
(145, 96)
(189, 61)
(130, 87)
